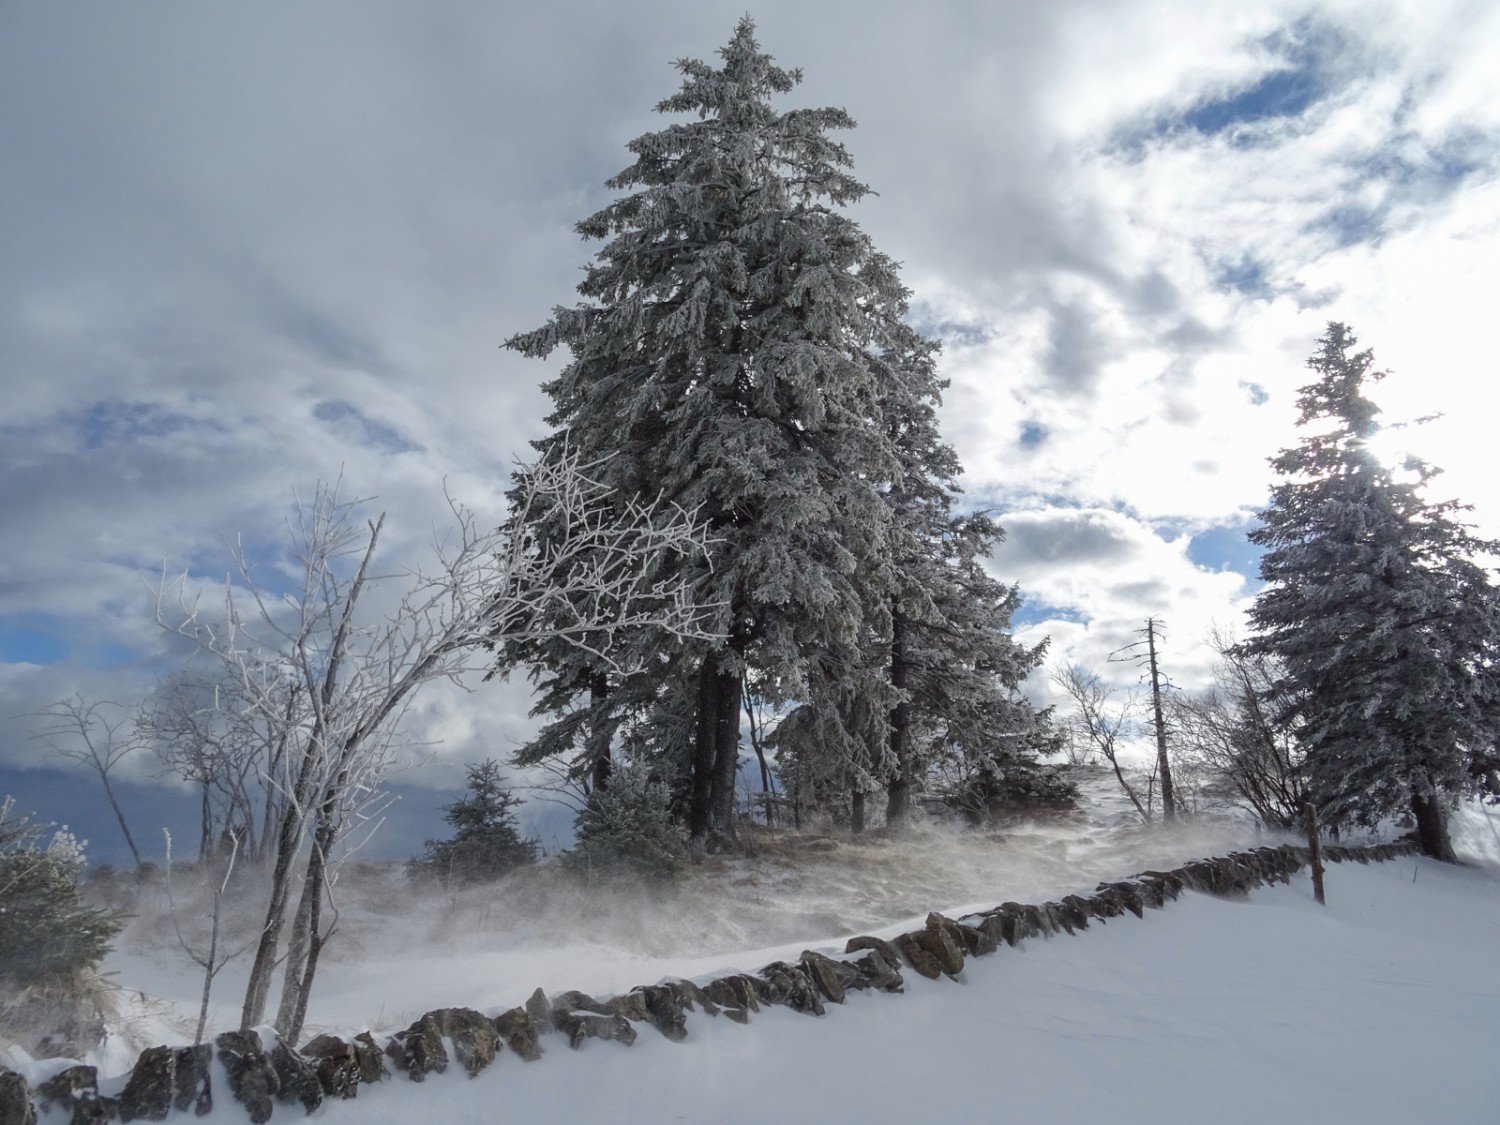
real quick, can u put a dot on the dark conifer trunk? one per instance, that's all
(857, 812)
(700, 795)
(898, 794)
(599, 734)
(726, 759)
(1432, 826)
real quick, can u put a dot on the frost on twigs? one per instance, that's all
(330, 661)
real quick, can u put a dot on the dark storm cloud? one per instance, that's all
(1075, 348)
(1079, 537)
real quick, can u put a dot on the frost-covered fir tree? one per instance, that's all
(1385, 625)
(950, 653)
(486, 841)
(732, 352)
(50, 940)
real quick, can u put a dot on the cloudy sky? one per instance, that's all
(244, 248)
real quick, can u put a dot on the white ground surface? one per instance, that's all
(1383, 1007)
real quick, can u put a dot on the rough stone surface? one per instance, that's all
(371, 1058)
(918, 958)
(692, 996)
(577, 1027)
(631, 1005)
(252, 1079)
(418, 1051)
(15, 1099)
(473, 1035)
(299, 1078)
(539, 1008)
(1124, 893)
(666, 1010)
(335, 1064)
(95, 1111)
(880, 973)
(885, 948)
(795, 987)
(1172, 881)
(828, 974)
(972, 941)
(737, 995)
(67, 1088)
(941, 947)
(574, 1001)
(1073, 911)
(168, 1078)
(519, 1033)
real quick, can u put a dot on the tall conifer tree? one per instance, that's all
(1385, 625)
(742, 350)
(731, 356)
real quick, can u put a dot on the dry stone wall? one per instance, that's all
(266, 1076)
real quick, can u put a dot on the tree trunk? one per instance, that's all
(726, 752)
(120, 816)
(1163, 765)
(857, 812)
(1432, 826)
(206, 829)
(599, 733)
(288, 843)
(699, 809)
(898, 793)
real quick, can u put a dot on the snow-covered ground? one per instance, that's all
(1385, 1006)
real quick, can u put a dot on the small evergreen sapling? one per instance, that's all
(49, 939)
(629, 826)
(486, 841)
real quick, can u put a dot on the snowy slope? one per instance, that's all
(1385, 1006)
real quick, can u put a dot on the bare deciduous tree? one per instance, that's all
(1234, 736)
(86, 733)
(1102, 716)
(356, 669)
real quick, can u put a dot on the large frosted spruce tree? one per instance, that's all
(1386, 627)
(742, 351)
(731, 355)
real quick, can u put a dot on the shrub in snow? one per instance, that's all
(48, 936)
(486, 842)
(629, 825)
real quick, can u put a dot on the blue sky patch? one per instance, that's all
(36, 639)
(1247, 276)
(1299, 74)
(115, 421)
(1226, 548)
(342, 415)
(1350, 224)
(1033, 434)
(1281, 93)
(1034, 611)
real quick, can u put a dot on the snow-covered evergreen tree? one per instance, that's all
(49, 938)
(732, 354)
(1385, 625)
(951, 654)
(629, 825)
(486, 841)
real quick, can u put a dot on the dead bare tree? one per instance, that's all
(212, 959)
(1102, 716)
(357, 669)
(207, 731)
(85, 733)
(1233, 733)
(1154, 678)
